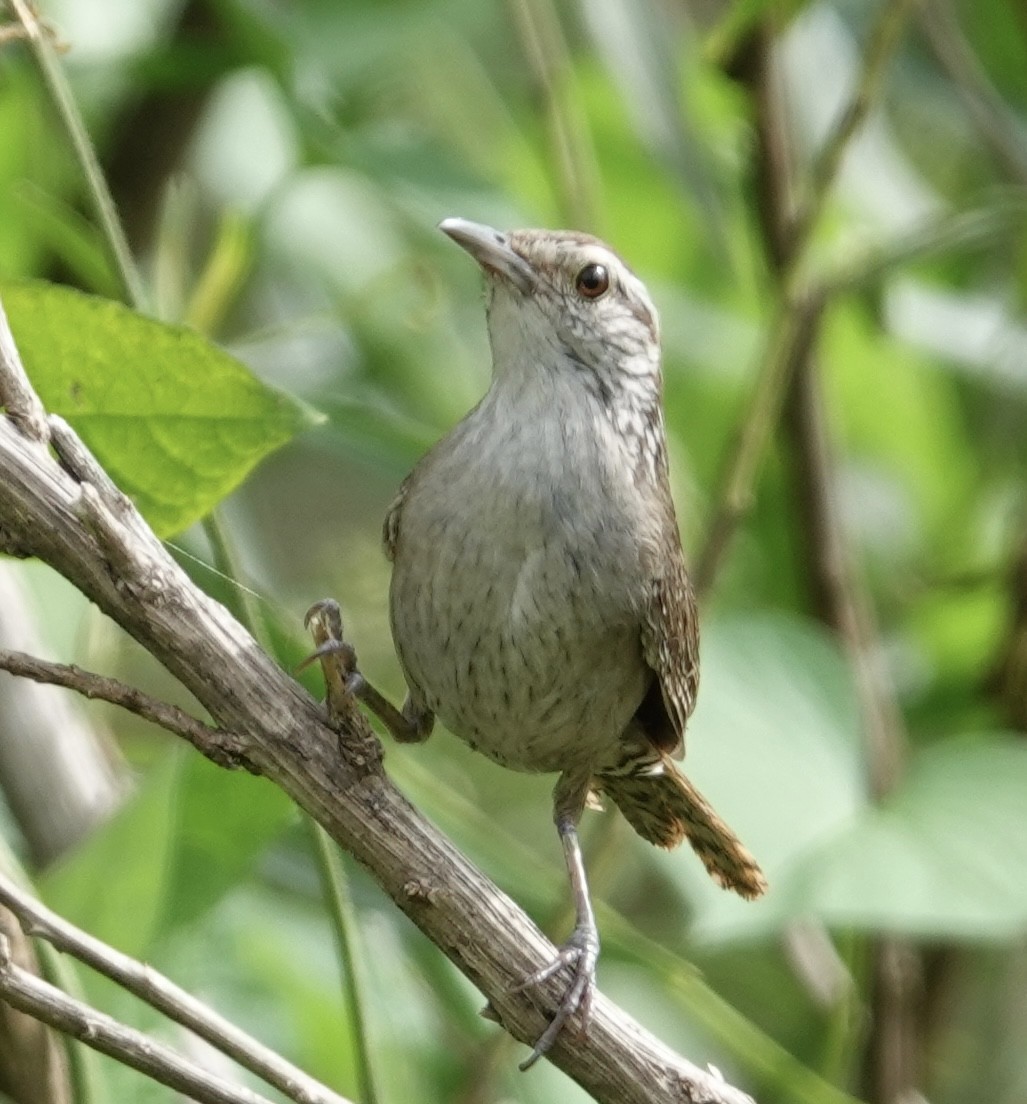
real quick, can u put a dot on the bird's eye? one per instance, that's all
(592, 281)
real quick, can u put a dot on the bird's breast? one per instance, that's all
(515, 603)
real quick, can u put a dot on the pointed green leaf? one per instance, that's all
(176, 421)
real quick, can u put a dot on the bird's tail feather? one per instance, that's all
(663, 807)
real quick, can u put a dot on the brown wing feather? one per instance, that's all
(390, 526)
(670, 644)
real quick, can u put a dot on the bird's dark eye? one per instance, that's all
(592, 281)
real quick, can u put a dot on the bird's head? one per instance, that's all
(558, 300)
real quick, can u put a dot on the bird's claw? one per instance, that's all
(338, 658)
(342, 655)
(580, 953)
(326, 613)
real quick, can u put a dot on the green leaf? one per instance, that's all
(946, 857)
(225, 820)
(115, 886)
(176, 421)
(775, 745)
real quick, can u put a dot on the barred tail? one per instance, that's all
(664, 808)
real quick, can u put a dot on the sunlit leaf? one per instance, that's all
(177, 422)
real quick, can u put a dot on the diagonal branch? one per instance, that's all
(880, 49)
(44, 1002)
(223, 748)
(788, 226)
(63, 509)
(1000, 128)
(150, 986)
(838, 594)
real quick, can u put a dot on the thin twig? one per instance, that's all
(224, 748)
(335, 889)
(38, 39)
(795, 331)
(544, 47)
(35, 1066)
(156, 990)
(838, 594)
(44, 1002)
(990, 113)
(965, 229)
(880, 49)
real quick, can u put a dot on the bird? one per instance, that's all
(540, 605)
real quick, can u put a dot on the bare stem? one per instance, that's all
(537, 23)
(156, 990)
(838, 595)
(794, 333)
(963, 230)
(223, 748)
(334, 886)
(789, 231)
(1001, 129)
(42, 1001)
(880, 49)
(38, 39)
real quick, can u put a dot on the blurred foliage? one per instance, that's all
(280, 169)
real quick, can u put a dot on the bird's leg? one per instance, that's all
(581, 951)
(343, 679)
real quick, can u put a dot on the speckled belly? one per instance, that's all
(515, 650)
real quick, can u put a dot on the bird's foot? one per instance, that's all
(580, 953)
(343, 680)
(338, 659)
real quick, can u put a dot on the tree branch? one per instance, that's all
(879, 51)
(221, 747)
(38, 38)
(44, 1002)
(997, 124)
(34, 1065)
(788, 226)
(67, 512)
(156, 990)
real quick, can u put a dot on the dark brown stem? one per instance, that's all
(837, 594)
(223, 748)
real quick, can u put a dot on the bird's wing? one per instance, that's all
(390, 526)
(670, 646)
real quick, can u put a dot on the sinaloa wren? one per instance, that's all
(540, 605)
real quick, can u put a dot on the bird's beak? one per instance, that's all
(491, 249)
